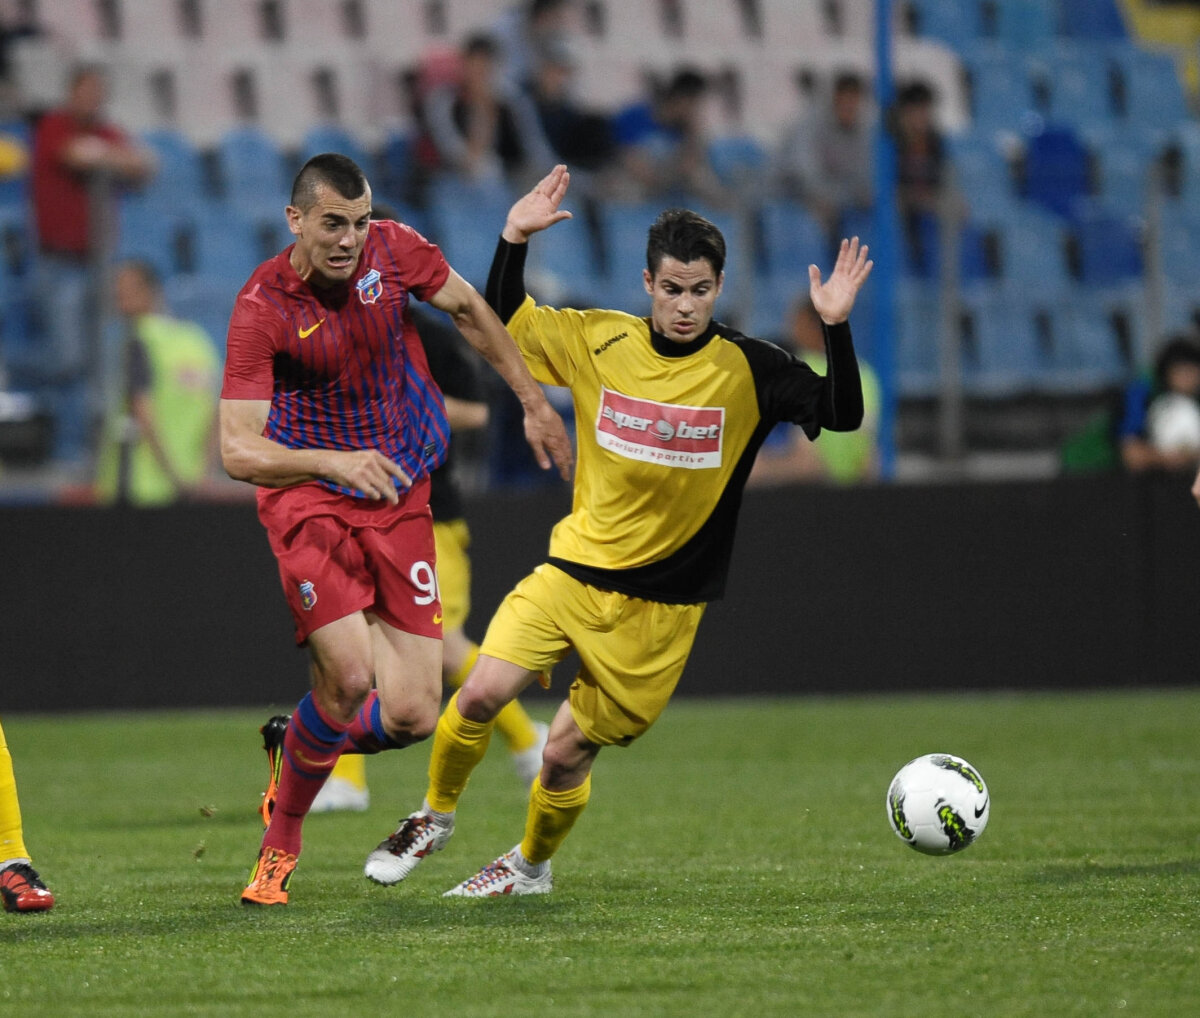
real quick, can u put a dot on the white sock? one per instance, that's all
(530, 869)
(441, 819)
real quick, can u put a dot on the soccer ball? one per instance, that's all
(938, 804)
(1173, 423)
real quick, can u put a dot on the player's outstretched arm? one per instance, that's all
(479, 325)
(539, 209)
(834, 298)
(248, 455)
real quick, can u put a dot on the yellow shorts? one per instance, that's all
(631, 651)
(451, 540)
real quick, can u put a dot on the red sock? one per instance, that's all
(311, 746)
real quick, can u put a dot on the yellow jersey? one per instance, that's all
(666, 435)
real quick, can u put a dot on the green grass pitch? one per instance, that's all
(735, 861)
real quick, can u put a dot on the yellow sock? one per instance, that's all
(351, 767)
(458, 745)
(12, 840)
(513, 724)
(551, 817)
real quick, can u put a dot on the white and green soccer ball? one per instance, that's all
(938, 804)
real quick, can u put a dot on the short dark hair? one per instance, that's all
(333, 170)
(684, 235)
(1179, 348)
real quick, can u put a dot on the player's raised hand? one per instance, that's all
(539, 208)
(834, 298)
(547, 437)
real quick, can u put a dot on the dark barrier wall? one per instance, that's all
(1071, 583)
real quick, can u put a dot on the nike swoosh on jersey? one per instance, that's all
(305, 333)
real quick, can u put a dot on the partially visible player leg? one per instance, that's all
(524, 737)
(341, 668)
(553, 810)
(459, 743)
(20, 885)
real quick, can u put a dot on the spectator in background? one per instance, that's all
(523, 32)
(662, 148)
(1160, 423)
(920, 171)
(159, 446)
(582, 138)
(825, 158)
(78, 160)
(838, 457)
(478, 129)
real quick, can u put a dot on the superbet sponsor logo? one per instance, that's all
(676, 436)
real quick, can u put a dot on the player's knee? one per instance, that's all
(566, 762)
(477, 702)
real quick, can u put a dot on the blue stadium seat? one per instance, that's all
(1056, 169)
(1002, 355)
(563, 259)
(623, 229)
(1085, 354)
(1079, 84)
(465, 220)
(791, 238)
(180, 176)
(918, 318)
(230, 242)
(333, 138)
(252, 169)
(1109, 246)
(1153, 92)
(1091, 19)
(1032, 250)
(952, 21)
(1179, 249)
(983, 177)
(1023, 25)
(1123, 166)
(204, 299)
(155, 232)
(1001, 90)
(738, 160)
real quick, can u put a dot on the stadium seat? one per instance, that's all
(562, 261)
(623, 244)
(983, 177)
(1001, 351)
(251, 168)
(1032, 251)
(465, 220)
(791, 239)
(334, 138)
(1078, 79)
(230, 243)
(1109, 246)
(156, 232)
(204, 299)
(952, 21)
(1154, 96)
(1055, 169)
(1001, 92)
(918, 321)
(1085, 356)
(740, 161)
(1022, 25)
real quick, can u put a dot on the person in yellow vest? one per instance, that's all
(159, 442)
(840, 457)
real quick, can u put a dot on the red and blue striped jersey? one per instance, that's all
(344, 368)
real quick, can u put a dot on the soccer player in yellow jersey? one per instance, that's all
(21, 888)
(670, 412)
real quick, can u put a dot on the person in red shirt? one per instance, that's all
(329, 406)
(78, 158)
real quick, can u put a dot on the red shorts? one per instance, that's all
(339, 555)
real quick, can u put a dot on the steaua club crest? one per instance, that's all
(370, 287)
(308, 595)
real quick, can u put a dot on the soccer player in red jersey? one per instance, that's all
(328, 406)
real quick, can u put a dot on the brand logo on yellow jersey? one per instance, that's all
(665, 433)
